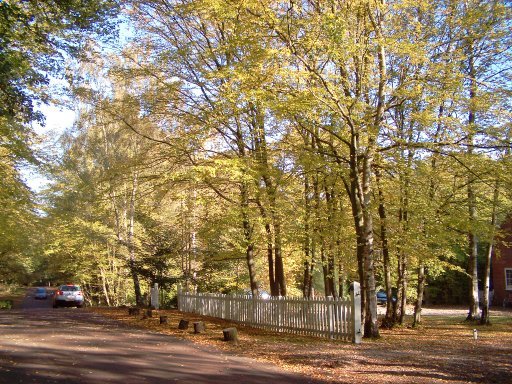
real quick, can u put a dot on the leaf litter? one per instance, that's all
(441, 351)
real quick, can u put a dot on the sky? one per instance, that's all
(58, 119)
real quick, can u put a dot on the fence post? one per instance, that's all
(355, 295)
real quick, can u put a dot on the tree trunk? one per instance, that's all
(329, 271)
(249, 244)
(360, 244)
(318, 237)
(402, 288)
(342, 279)
(473, 274)
(472, 238)
(385, 250)
(261, 154)
(274, 288)
(272, 269)
(351, 188)
(487, 272)
(104, 286)
(280, 277)
(363, 188)
(403, 219)
(419, 290)
(371, 328)
(308, 254)
(130, 242)
(325, 272)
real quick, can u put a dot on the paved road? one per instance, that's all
(39, 344)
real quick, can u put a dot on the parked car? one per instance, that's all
(382, 298)
(261, 294)
(68, 295)
(264, 295)
(41, 294)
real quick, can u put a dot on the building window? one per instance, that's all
(508, 279)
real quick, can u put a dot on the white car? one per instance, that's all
(68, 295)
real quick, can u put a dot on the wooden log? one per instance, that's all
(183, 324)
(199, 327)
(230, 334)
(163, 319)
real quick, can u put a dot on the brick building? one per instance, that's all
(502, 267)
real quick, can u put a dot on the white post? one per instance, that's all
(355, 295)
(155, 295)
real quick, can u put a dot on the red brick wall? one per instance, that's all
(502, 260)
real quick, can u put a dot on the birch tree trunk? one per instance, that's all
(130, 241)
(485, 318)
(472, 238)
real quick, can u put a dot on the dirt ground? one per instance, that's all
(442, 350)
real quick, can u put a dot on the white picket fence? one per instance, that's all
(321, 317)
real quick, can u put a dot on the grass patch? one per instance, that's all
(10, 296)
(5, 304)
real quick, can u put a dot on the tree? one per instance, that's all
(34, 38)
(280, 134)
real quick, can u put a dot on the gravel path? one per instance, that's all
(459, 311)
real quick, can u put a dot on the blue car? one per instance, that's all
(382, 298)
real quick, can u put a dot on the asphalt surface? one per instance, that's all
(43, 345)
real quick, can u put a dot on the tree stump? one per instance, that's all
(163, 319)
(199, 327)
(144, 316)
(183, 324)
(149, 312)
(230, 334)
(134, 311)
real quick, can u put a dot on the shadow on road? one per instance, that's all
(43, 345)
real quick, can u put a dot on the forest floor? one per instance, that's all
(442, 350)
(11, 296)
